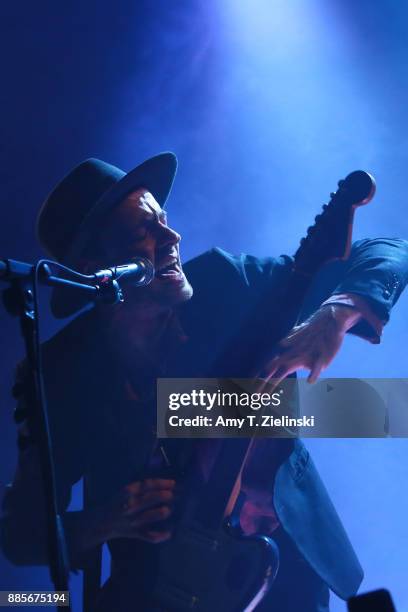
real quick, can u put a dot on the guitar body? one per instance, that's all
(203, 570)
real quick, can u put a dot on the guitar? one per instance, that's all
(208, 564)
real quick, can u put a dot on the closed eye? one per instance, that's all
(140, 233)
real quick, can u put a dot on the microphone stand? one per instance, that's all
(20, 299)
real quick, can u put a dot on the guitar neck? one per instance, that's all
(266, 324)
(248, 357)
(276, 313)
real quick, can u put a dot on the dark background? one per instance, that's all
(267, 105)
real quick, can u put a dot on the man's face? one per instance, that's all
(138, 227)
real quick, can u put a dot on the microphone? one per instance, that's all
(139, 272)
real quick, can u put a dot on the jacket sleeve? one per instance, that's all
(377, 271)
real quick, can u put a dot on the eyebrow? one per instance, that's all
(162, 215)
(148, 217)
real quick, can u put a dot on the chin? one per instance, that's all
(174, 294)
(163, 293)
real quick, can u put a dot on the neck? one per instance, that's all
(140, 337)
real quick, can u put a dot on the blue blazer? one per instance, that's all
(226, 289)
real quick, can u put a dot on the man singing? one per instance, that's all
(101, 371)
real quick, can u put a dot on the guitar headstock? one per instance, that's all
(330, 236)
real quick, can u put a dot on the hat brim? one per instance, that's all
(156, 174)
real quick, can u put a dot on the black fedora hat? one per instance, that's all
(68, 218)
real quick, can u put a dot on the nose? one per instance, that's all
(168, 236)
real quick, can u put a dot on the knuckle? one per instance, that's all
(132, 487)
(168, 484)
(156, 536)
(164, 511)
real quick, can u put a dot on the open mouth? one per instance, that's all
(169, 271)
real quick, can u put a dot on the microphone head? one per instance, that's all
(139, 272)
(146, 270)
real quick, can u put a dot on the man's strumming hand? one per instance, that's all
(313, 344)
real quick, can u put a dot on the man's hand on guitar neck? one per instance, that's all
(313, 344)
